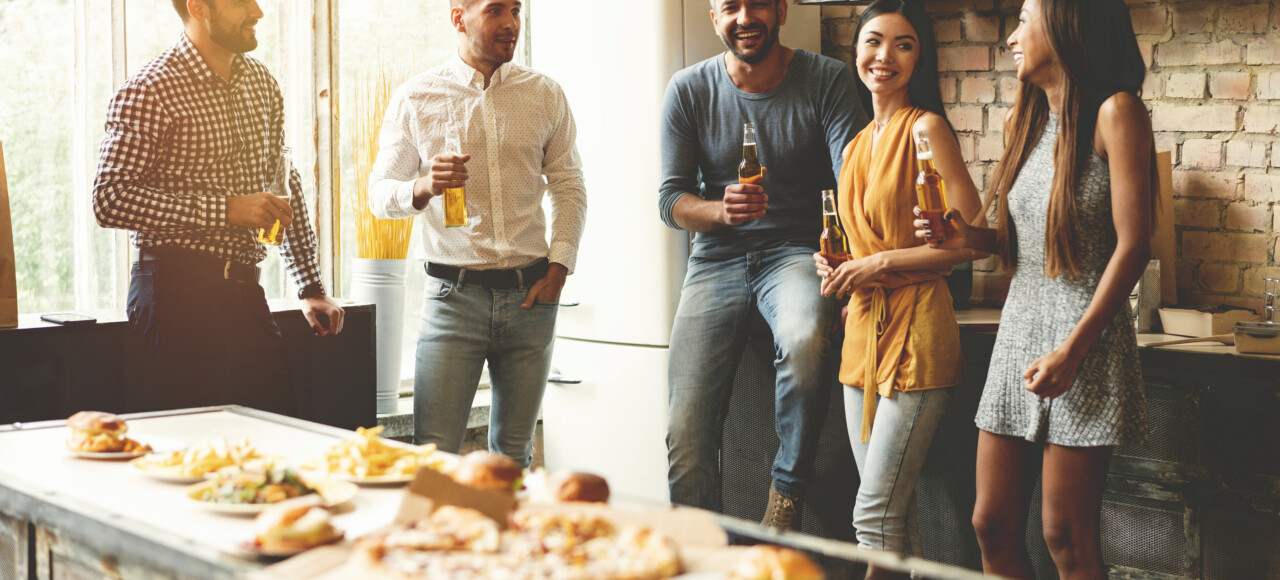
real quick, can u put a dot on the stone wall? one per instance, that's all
(1213, 87)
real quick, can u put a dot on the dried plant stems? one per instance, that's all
(375, 238)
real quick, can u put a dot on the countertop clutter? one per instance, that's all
(100, 518)
(988, 319)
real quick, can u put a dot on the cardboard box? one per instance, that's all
(1186, 322)
(702, 542)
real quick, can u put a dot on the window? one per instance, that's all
(62, 61)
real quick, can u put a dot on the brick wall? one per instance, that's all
(1213, 86)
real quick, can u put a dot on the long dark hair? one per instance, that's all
(1093, 40)
(923, 86)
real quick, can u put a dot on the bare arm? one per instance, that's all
(1124, 139)
(962, 195)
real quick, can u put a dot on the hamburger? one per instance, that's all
(489, 471)
(769, 562)
(578, 486)
(294, 525)
(98, 432)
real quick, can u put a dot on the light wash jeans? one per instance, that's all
(707, 340)
(884, 514)
(462, 326)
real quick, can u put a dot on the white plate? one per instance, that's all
(168, 474)
(158, 443)
(445, 465)
(335, 492)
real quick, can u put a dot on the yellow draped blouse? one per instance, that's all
(901, 332)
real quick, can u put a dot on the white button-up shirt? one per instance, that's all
(517, 131)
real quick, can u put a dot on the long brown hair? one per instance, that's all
(1094, 43)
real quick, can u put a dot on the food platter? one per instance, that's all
(158, 444)
(198, 462)
(166, 474)
(367, 459)
(335, 492)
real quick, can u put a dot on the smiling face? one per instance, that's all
(489, 29)
(1032, 52)
(232, 23)
(749, 28)
(887, 52)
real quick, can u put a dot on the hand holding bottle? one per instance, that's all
(952, 220)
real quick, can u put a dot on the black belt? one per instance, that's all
(201, 263)
(497, 279)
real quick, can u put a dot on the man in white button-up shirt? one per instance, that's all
(494, 284)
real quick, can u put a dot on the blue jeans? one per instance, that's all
(889, 464)
(707, 339)
(462, 326)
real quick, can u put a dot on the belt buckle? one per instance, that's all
(226, 270)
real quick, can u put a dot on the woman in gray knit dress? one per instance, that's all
(1074, 211)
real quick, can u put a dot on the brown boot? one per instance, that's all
(783, 513)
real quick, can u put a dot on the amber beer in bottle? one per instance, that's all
(834, 244)
(455, 198)
(931, 190)
(749, 170)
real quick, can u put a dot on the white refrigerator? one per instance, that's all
(605, 409)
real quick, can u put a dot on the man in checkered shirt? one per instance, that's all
(192, 142)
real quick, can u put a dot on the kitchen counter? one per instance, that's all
(93, 516)
(986, 319)
(62, 517)
(51, 371)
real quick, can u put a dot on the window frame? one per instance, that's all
(324, 90)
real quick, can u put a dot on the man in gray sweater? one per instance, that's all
(753, 244)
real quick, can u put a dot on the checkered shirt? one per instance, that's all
(181, 140)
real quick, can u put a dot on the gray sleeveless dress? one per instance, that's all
(1106, 405)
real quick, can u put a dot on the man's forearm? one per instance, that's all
(692, 213)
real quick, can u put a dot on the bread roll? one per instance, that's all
(578, 486)
(97, 432)
(768, 562)
(491, 471)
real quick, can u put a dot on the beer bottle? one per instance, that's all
(749, 170)
(834, 244)
(455, 198)
(931, 190)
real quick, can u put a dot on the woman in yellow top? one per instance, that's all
(902, 347)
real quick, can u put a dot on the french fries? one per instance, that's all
(201, 459)
(366, 455)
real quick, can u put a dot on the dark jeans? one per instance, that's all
(199, 340)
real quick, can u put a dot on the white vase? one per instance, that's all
(382, 283)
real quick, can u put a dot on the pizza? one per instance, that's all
(459, 543)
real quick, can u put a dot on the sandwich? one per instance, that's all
(578, 486)
(98, 432)
(489, 471)
(294, 525)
